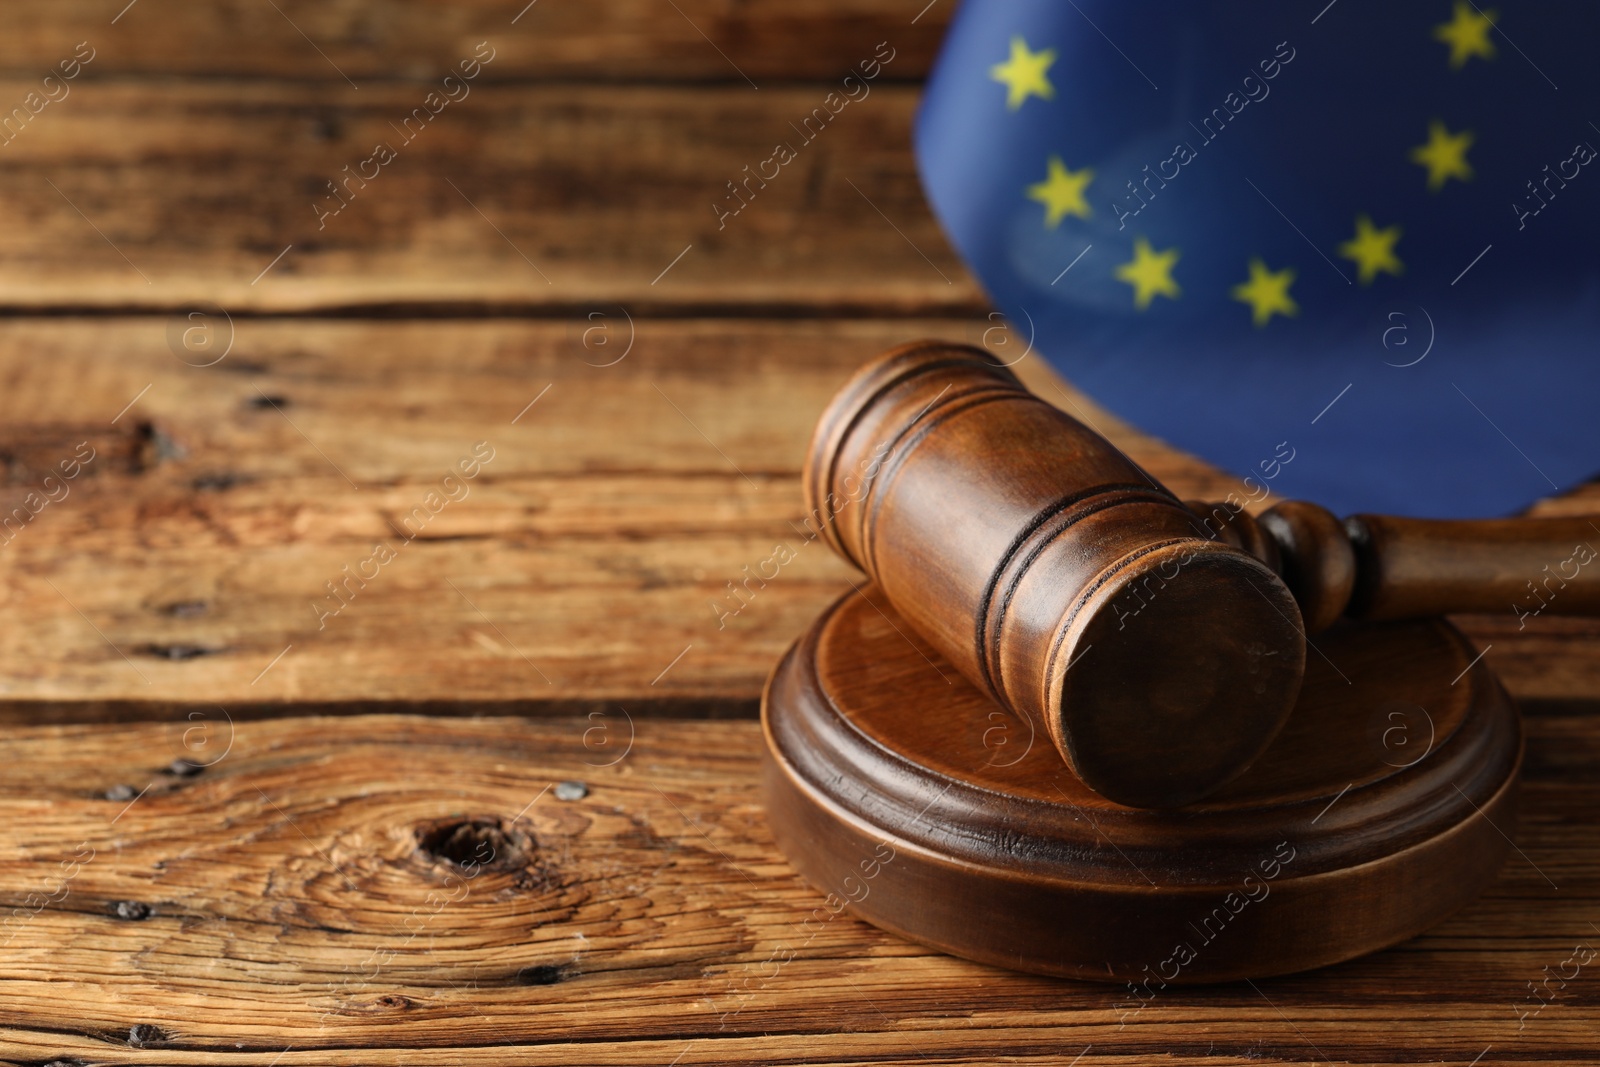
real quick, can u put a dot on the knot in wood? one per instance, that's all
(542, 974)
(477, 843)
(146, 1035)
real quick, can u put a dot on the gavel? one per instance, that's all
(1161, 643)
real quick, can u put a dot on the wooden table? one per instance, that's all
(287, 697)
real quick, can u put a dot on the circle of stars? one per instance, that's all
(1063, 191)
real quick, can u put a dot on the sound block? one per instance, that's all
(911, 799)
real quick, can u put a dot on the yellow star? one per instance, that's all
(1267, 292)
(1150, 273)
(1445, 155)
(1062, 192)
(1372, 249)
(1023, 74)
(1467, 33)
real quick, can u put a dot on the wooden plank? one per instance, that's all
(287, 898)
(592, 553)
(622, 40)
(140, 195)
(595, 555)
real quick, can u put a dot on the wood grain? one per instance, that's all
(1016, 540)
(199, 541)
(595, 143)
(419, 40)
(291, 909)
(128, 194)
(893, 784)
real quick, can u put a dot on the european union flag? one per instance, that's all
(1345, 249)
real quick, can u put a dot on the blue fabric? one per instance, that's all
(1462, 382)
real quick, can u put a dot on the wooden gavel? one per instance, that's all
(1162, 644)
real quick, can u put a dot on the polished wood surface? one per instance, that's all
(912, 798)
(1155, 642)
(1304, 543)
(1053, 573)
(1527, 567)
(601, 540)
(1386, 567)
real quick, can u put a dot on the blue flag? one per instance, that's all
(1347, 251)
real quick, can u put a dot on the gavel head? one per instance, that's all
(1055, 574)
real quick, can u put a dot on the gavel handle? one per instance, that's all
(1384, 567)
